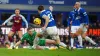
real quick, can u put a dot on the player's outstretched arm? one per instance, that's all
(19, 42)
(46, 21)
(23, 18)
(51, 8)
(11, 17)
(35, 42)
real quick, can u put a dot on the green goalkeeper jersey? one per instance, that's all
(29, 38)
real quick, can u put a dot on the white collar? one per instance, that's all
(75, 9)
(79, 8)
(42, 11)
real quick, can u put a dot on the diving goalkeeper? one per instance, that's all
(35, 39)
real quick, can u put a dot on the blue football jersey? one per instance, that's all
(75, 22)
(82, 15)
(49, 14)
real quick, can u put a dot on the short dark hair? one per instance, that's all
(17, 9)
(41, 7)
(29, 28)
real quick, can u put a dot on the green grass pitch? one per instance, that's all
(59, 52)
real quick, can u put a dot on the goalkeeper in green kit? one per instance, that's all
(34, 39)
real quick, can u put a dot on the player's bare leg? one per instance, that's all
(84, 35)
(18, 43)
(44, 48)
(78, 33)
(39, 48)
(57, 39)
(11, 33)
(63, 44)
(20, 34)
(48, 41)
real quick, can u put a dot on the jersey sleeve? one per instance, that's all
(43, 15)
(23, 38)
(86, 19)
(35, 43)
(70, 18)
(68, 23)
(35, 33)
(11, 17)
(23, 18)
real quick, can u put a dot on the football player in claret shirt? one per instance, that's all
(17, 19)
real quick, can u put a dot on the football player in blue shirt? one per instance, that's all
(50, 26)
(81, 14)
(75, 25)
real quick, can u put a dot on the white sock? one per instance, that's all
(80, 40)
(72, 42)
(90, 40)
(12, 44)
(62, 44)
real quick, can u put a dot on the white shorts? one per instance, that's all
(82, 26)
(74, 29)
(53, 32)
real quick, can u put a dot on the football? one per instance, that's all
(37, 21)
